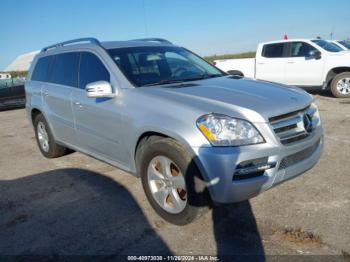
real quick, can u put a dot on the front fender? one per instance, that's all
(190, 137)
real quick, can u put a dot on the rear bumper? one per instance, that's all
(218, 166)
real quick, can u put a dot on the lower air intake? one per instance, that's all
(298, 156)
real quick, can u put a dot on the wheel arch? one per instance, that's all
(160, 133)
(335, 71)
(179, 139)
(34, 112)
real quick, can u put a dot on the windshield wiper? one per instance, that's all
(163, 82)
(205, 76)
(169, 81)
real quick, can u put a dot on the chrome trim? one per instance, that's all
(291, 127)
(285, 122)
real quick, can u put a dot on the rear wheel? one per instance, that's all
(340, 86)
(47, 145)
(171, 180)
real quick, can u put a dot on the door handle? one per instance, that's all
(261, 63)
(290, 62)
(77, 103)
(46, 93)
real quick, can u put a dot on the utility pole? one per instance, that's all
(331, 34)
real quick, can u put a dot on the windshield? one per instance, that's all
(345, 43)
(328, 46)
(153, 65)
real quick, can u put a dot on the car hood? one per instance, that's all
(238, 97)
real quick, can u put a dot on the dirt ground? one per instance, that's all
(78, 205)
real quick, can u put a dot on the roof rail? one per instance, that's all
(161, 40)
(85, 39)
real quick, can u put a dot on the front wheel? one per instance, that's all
(340, 86)
(171, 181)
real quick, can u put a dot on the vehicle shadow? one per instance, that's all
(236, 233)
(79, 212)
(318, 91)
(73, 212)
(235, 229)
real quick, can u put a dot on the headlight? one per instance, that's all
(223, 130)
(316, 119)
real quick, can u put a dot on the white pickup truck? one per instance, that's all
(299, 62)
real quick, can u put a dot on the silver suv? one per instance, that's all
(194, 134)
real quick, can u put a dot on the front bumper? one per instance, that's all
(218, 165)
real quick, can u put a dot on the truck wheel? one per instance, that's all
(340, 86)
(47, 145)
(171, 180)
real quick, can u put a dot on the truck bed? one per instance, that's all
(246, 66)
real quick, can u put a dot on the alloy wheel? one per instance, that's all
(167, 184)
(343, 86)
(43, 137)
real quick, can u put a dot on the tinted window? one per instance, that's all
(41, 68)
(328, 46)
(273, 50)
(300, 49)
(345, 43)
(91, 70)
(65, 69)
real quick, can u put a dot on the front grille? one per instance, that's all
(298, 156)
(281, 117)
(291, 127)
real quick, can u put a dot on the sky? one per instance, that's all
(203, 26)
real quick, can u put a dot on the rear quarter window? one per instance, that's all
(273, 50)
(41, 68)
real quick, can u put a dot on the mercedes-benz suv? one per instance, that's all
(195, 135)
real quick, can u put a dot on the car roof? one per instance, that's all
(75, 44)
(132, 43)
(290, 40)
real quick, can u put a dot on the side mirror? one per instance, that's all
(314, 54)
(99, 89)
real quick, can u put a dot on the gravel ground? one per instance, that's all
(78, 205)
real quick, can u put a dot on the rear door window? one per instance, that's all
(41, 68)
(65, 69)
(91, 70)
(273, 50)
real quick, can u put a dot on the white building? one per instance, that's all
(22, 62)
(4, 75)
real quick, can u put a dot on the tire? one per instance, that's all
(194, 198)
(342, 78)
(53, 150)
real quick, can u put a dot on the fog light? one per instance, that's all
(252, 168)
